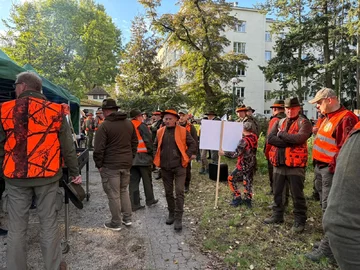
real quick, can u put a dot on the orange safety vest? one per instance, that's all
(141, 148)
(272, 122)
(295, 156)
(325, 147)
(180, 139)
(32, 147)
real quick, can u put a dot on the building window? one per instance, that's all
(239, 47)
(95, 97)
(240, 27)
(267, 95)
(267, 112)
(268, 36)
(240, 92)
(240, 71)
(267, 55)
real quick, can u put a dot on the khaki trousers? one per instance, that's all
(115, 184)
(18, 202)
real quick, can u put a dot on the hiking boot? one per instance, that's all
(298, 227)
(152, 203)
(63, 266)
(127, 222)
(112, 226)
(171, 218)
(248, 203)
(274, 220)
(178, 224)
(316, 245)
(236, 202)
(135, 208)
(317, 255)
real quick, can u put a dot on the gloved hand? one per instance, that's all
(76, 180)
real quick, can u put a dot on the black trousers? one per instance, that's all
(138, 172)
(177, 176)
(295, 177)
(188, 175)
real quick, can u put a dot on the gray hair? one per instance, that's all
(248, 126)
(31, 79)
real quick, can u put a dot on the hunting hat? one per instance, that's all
(278, 104)
(250, 109)
(75, 192)
(183, 111)
(323, 93)
(172, 112)
(211, 113)
(156, 113)
(292, 102)
(109, 103)
(242, 108)
(134, 113)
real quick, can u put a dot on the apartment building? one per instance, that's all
(252, 37)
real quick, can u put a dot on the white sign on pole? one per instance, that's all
(210, 135)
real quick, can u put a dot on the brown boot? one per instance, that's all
(63, 266)
(171, 218)
(178, 224)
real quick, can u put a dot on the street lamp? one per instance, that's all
(235, 81)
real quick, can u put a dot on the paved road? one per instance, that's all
(148, 244)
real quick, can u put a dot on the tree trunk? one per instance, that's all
(328, 77)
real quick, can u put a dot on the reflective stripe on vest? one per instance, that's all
(180, 139)
(325, 147)
(141, 148)
(33, 151)
(295, 156)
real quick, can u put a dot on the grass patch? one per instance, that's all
(238, 238)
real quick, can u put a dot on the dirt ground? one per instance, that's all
(135, 247)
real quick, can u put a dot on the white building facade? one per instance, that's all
(252, 37)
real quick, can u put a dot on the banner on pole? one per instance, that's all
(210, 135)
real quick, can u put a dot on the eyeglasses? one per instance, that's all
(14, 85)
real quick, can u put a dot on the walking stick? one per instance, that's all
(218, 168)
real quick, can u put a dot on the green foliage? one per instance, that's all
(196, 33)
(317, 49)
(72, 43)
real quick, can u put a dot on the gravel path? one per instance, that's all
(148, 244)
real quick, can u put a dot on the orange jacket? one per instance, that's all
(325, 146)
(180, 139)
(33, 151)
(141, 148)
(296, 155)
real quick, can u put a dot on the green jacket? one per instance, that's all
(67, 147)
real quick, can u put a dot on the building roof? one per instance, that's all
(98, 91)
(90, 103)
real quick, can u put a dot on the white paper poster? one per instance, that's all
(210, 135)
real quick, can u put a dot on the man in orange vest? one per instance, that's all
(278, 112)
(184, 122)
(175, 148)
(31, 159)
(141, 167)
(288, 155)
(330, 137)
(99, 118)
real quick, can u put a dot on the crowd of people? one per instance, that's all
(128, 148)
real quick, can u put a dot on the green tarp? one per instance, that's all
(8, 71)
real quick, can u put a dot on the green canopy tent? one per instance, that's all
(60, 95)
(8, 71)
